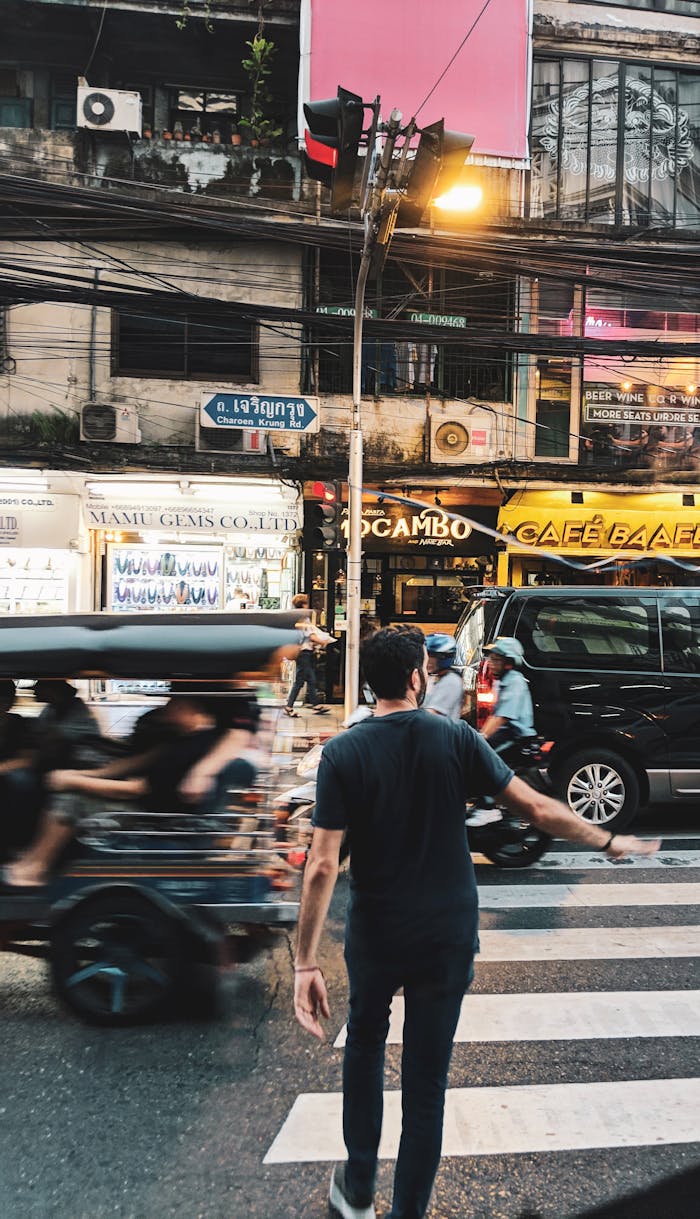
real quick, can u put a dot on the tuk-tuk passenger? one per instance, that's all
(207, 756)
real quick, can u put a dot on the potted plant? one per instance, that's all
(258, 66)
(235, 135)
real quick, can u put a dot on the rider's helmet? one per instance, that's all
(443, 648)
(509, 648)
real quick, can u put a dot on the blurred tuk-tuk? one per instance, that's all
(145, 906)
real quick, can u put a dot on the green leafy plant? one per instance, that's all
(258, 67)
(186, 13)
(55, 428)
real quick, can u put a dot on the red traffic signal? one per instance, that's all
(332, 142)
(437, 167)
(328, 492)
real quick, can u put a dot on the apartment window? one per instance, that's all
(197, 346)
(206, 109)
(448, 366)
(615, 143)
(64, 89)
(15, 111)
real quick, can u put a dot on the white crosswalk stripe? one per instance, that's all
(576, 861)
(574, 1016)
(589, 943)
(506, 1120)
(519, 897)
(546, 1116)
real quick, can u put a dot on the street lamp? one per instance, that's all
(393, 196)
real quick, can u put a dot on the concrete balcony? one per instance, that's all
(87, 158)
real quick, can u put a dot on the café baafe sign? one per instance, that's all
(398, 527)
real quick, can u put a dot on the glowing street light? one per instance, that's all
(460, 199)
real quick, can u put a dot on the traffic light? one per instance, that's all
(322, 517)
(332, 140)
(437, 167)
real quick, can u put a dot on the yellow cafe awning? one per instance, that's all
(603, 523)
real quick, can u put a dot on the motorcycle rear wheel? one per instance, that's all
(528, 845)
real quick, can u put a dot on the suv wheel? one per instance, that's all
(600, 787)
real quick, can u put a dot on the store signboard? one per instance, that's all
(395, 527)
(191, 518)
(600, 529)
(463, 60)
(263, 412)
(38, 519)
(641, 404)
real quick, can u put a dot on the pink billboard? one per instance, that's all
(400, 48)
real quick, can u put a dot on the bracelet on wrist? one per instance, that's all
(607, 844)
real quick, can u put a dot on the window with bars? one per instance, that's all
(449, 367)
(197, 346)
(615, 143)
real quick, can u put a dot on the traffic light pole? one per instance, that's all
(377, 222)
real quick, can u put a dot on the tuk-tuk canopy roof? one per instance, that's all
(144, 646)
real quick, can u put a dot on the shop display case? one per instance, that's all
(142, 578)
(198, 578)
(33, 581)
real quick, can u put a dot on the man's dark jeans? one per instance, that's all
(305, 676)
(434, 978)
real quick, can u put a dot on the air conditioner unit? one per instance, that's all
(463, 434)
(109, 109)
(103, 422)
(230, 440)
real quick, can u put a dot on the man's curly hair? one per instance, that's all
(389, 657)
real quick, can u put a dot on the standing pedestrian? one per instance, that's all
(305, 670)
(398, 782)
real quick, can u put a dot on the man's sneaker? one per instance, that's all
(484, 816)
(343, 1203)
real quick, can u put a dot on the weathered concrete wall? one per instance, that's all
(396, 430)
(215, 170)
(50, 343)
(639, 33)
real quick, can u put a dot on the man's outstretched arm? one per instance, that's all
(320, 875)
(553, 817)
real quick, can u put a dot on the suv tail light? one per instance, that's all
(485, 693)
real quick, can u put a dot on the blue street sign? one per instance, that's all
(268, 412)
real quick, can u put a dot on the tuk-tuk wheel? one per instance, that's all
(115, 959)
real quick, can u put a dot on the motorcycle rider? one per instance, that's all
(445, 693)
(512, 719)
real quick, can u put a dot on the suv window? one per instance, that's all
(680, 629)
(580, 632)
(472, 632)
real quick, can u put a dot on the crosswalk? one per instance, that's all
(568, 959)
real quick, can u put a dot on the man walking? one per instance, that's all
(305, 672)
(398, 783)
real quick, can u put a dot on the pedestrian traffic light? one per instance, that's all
(322, 517)
(332, 141)
(436, 168)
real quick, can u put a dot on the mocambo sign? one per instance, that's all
(430, 527)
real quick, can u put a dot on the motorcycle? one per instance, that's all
(505, 839)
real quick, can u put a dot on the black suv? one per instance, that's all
(614, 675)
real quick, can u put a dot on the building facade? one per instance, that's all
(548, 345)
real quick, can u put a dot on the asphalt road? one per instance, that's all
(177, 1120)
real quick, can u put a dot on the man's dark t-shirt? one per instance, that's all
(399, 783)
